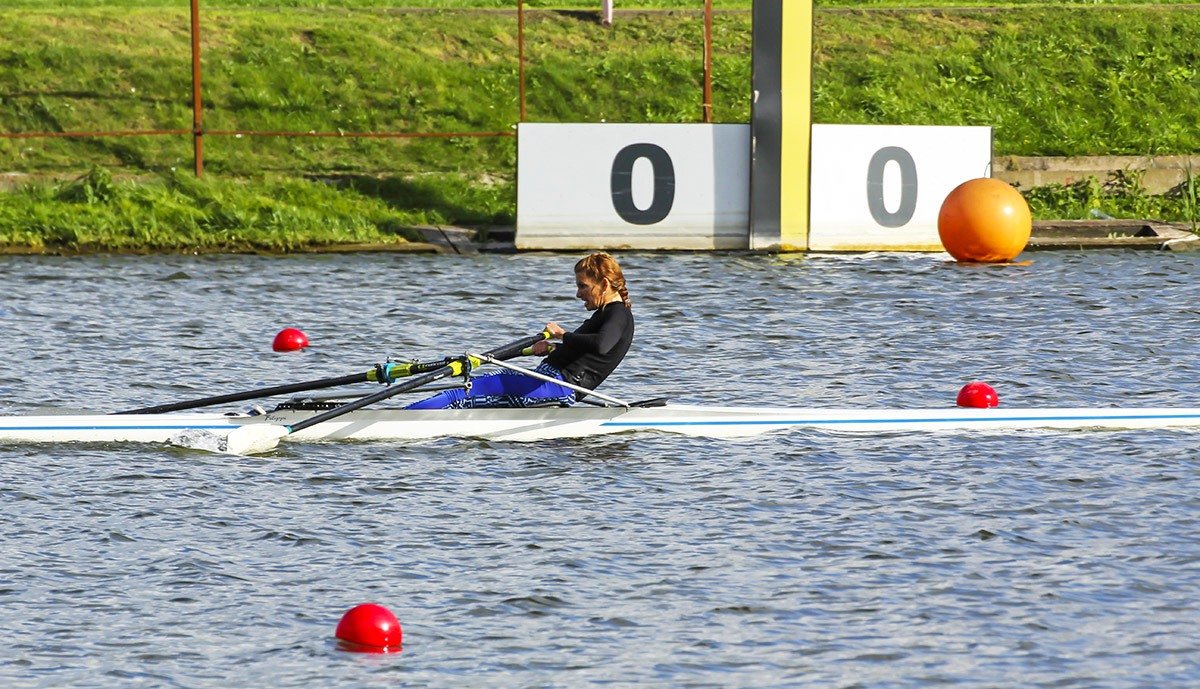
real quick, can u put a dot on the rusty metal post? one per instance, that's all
(708, 16)
(197, 107)
(521, 56)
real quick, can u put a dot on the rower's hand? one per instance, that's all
(555, 330)
(542, 348)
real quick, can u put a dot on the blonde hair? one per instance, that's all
(600, 266)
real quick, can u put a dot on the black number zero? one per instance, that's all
(622, 184)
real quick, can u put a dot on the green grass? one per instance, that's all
(180, 213)
(1123, 196)
(1079, 78)
(1050, 81)
(589, 5)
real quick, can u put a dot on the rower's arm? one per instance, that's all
(605, 337)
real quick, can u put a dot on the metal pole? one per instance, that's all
(521, 55)
(197, 108)
(708, 15)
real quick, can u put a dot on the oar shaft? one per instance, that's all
(253, 394)
(381, 373)
(454, 368)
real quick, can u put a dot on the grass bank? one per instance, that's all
(177, 212)
(1052, 78)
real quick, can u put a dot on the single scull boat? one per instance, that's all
(573, 422)
(308, 419)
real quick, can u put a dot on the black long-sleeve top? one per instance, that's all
(587, 356)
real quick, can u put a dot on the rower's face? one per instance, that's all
(590, 292)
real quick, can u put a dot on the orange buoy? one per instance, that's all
(370, 628)
(978, 394)
(289, 340)
(984, 220)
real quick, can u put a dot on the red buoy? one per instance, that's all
(370, 628)
(289, 340)
(978, 394)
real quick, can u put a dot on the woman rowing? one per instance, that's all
(585, 357)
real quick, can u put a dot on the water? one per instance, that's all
(806, 559)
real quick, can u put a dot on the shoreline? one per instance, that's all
(1047, 235)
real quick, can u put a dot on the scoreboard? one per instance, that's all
(780, 183)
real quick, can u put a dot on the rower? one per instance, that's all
(584, 357)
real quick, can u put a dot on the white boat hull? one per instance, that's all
(547, 423)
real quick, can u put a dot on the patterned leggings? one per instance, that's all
(502, 389)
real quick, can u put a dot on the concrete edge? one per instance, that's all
(453, 240)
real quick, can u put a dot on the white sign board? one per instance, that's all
(877, 187)
(633, 186)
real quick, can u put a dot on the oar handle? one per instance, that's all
(454, 368)
(512, 349)
(528, 351)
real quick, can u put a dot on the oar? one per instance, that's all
(255, 438)
(382, 373)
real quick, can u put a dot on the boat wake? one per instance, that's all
(199, 439)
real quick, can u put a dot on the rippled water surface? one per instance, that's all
(807, 559)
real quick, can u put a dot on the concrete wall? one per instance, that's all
(1159, 174)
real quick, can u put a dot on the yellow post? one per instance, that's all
(797, 125)
(781, 124)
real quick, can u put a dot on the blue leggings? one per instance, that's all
(502, 389)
